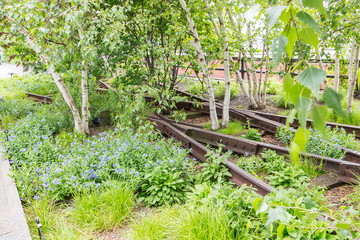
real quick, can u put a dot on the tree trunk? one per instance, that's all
(337, 74)
(351, 84)
(204, 67)
(321, 65)
(239, 79)
(85, 98)
(226, 104)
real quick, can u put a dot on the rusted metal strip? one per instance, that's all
(39, 98)
(239, 176)
(282, 119)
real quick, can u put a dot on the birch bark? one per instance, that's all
(213, 115)
(337, 74)
(226, 104)
(351, 80)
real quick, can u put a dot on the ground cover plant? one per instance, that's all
(316, 144)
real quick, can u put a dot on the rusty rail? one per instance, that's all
(239, 176)
(39, 98)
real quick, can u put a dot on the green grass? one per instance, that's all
(6, 121)
(179, 222)
(102, 210)
(234, 128)
(154, 225)
(55, 222)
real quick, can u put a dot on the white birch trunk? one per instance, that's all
(239, 79)
(226, 104)
(337, 74)
(85, 98)
(351, 83)
(263, 100)
(321, 65)
(203, 63)
(55, 75)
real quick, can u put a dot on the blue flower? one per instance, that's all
(36, 197)
(73, 178)
(136, 174)
(118, 170)
(56, 181)
(57, 170)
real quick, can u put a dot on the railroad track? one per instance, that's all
(346, 171)
(267, 122)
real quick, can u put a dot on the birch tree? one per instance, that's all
(203, 64)
(62, 35)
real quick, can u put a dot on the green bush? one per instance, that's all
(288, 177)
(273, 86)
(251, 164)
(280, 101)
(219, 90)
(196, 88)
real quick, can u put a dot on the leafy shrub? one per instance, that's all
(213, 170)
(273, 162)
(103, 209)
(164, 186)
(251, 164)
(196, 88)
(219, 90)
(280, 101)
(273, 86)
(289, 177)
(252, 134)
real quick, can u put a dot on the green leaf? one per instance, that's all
(312, 78)
(333, 100)
(318, 116)
(308, 203)
(290, 33)
(278, 214)
(280, 230)
(278, 47)
(260, 205)
(300, 138)
(302, 106)
(291, 116)
(307, 19)
(316, 4)
(252, 13)
(309, 36)
(285, 15)
(342, 225)
(273, 13)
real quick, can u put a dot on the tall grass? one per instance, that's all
(55, 222)
(103, 209)
(181, 223)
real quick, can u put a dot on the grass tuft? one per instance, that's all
(234, 128)
(103, 209)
